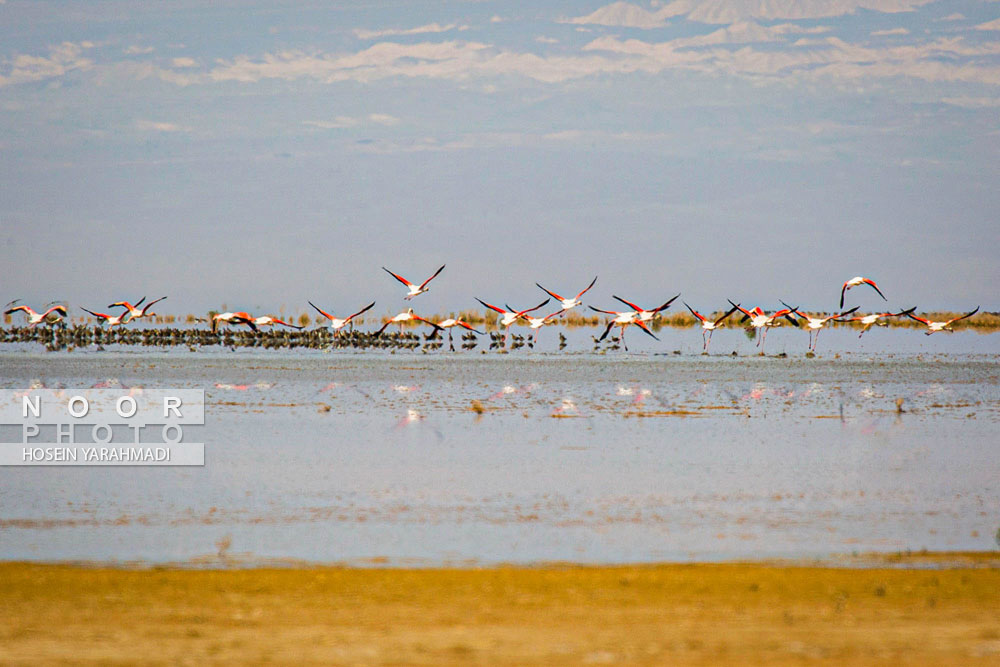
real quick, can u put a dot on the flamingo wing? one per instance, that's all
(726, 316)
(607, 330)
(491, 307)
(398, 277)
(248, 322)
(875, 287)
(321, 311)
(606, 312)
(645, 328)
(365, 309)
(150, 304)
(592, 283)
(627, 303)
(529, 310)
(666, 305)
(846, 312)
(423, 284)
(550, 293)
(698, 315)
(969, 314)
(918, 319)
(62, 310)
(740, 308)
(436, 327)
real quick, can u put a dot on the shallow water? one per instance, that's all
(537, 456)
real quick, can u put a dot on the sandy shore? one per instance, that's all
(679, 614)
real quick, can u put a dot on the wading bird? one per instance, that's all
(53, 315)
(268, 321)
(406, 316)
(761, 321)
(569, 303)
(934, 327)
(110, 320)
(868, 321)
(240, 317)
(622, 319)
(414, 289)
(854, 282)
(510, 316)
(816, 324)
(709, 326)
(646, 315)
(337, 323)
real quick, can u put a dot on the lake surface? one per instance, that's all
(536, 455)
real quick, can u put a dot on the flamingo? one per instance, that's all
(761, 321)
(854, 282)
(569, 303)
(537, 323)
(240, 317)
(337, 323)
(510, 316)
(414, 289)
(816, 324)
(871, 320)
(110, 320)
(37, 318)
(622, 319)
(934, 327)
(646, 315)
(406, 316)
(268, 321)
(134, 312)
(709, 326)
(453, 322)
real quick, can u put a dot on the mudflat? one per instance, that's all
(926, 610)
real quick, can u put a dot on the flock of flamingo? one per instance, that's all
(757, 319)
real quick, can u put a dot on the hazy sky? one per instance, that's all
(261, 154)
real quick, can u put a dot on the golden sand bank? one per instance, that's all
(930, 611)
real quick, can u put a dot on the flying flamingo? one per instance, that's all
(934, 327)
(569, 303)
(337, 323)
(240, 317)
(761, 321)
(645, 316)
(816, 324)
(406, 316)
(110, 320)
(709, 326)
(537, 323)
(37, 318)
(510, 316)
(622, 319)
(134, 312)
(453, 322)
(414, 289)
(268, 321)
(854, 282)
(868, 321)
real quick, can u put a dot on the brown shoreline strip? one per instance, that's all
(679, 614)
